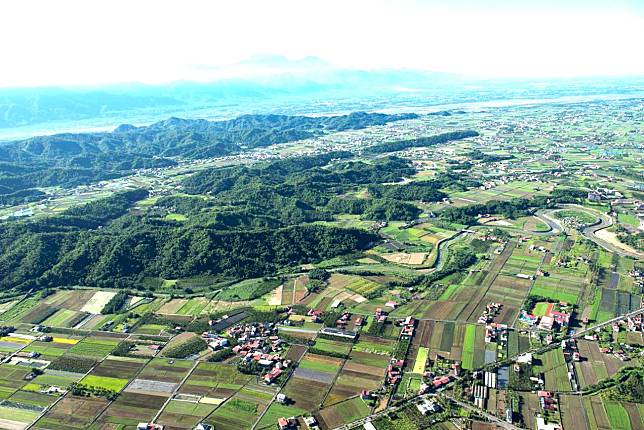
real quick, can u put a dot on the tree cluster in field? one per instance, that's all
(629, 388)
(80, 389)
(400, 352)
(420, 142)
(330, 318)
(221, 355)
(635, 240)
(192, 346)
(123, 349)
(482, 157)
(72, 363)
(520, 381)
(334, 354)
(317, 280)
(251, 367)
(627, 385)
(116, 303)
(458, 260)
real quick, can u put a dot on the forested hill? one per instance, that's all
(103, 244)
(73, 159)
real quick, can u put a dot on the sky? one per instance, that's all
(95, 42)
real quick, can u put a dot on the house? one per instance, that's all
(149, 426)
(281, 398)
(427, 407)
(407, 327)
(542, 425)
(283, 423)
(546, 323)
(527, 318)
(525, 358)
(560, 318)
(440, 381)
(339, 333)
(286, 423)
(204, 426)
(311, 423)
(272, 375)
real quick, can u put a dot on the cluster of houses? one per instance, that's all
(557, 316)
(380, 315)
(547, 403)
(292, 423)
(495, 332)
(344, 320)
(569, 349)
(149, 426)
(602, 194)
(539, 248)
(633, 323)
(408, 325)
(394, 372)
(256, 342)
(638, 278)
(433, 381)
(491, 310)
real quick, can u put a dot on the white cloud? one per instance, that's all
(74, 42)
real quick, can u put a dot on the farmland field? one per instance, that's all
(344, 412)
(106, 382)
(255, 233)
(242, 410)
(98, 301)
(95, 347)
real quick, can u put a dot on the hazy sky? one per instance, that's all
(90, 42)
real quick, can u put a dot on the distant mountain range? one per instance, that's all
(70, 159)
(273, 84)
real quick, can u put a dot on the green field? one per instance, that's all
(468, 347)
(554, 292)
(60, 318)
(193, 306)
(617, 416)
(94, 347)
(248, 290)
(421, 359)
(326, 366)
(540, 309)
(114, 384)
(580, 216)
(276, 411)
(332, 346)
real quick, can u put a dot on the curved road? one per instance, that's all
(589, 232)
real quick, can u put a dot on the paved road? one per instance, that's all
(589, 233)
(490, 417)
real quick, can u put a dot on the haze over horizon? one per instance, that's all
(90, 44)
